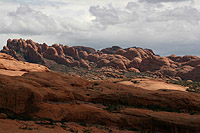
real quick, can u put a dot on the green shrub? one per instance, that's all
(25, 127)
(90, 88)
(192, 86)
(135, 82)
(95, 84)
(86, 131)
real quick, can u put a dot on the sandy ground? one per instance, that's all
(152, 84)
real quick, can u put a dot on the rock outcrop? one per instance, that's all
(111, 50)
(132, 59)
(71, 99)
(12, 67)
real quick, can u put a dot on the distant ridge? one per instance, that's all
(132, 59)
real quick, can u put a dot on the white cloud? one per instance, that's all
(158, 1)
(110, 15)
(186, 14)
(26, 21)
(166, 26)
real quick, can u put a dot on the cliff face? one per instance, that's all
(131, 59)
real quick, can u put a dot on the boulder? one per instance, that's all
(11, 44)
(84, 64)
(44, 47)
(33, 44)
(71, 52)
(51, 51)
(32, 55)
(192, 62)
(135, 63)
(192, 74)
(132, 69)
(111, 50)
(59, 49)
(114, 60)
(117, 63)
(86, 49)
(166, 70)
(93, 57)
(83, 54)
(103, 62)
(133, 52)
(5, 48)
(130, 53)
(182, 59)
(153, 63)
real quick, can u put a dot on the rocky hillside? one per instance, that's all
(113, 104)
(129, 60)
(11, 66)
(36, 96)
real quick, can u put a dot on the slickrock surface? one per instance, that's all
(13, 67)
(19, 126)
(63, 98)
(153, 84)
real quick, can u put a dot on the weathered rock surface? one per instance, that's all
(134, 59)
(12, 67)
(185, 58)
(111, 50)
(44, 126)
(87, 49)
(71, 99)
(32, 55)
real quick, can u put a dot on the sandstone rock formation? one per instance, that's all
(132, 59)
(111, 50)
(71, 99)
(45, 126)
(12, 67)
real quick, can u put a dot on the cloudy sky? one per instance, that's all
(166, 26)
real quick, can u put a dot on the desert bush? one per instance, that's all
(135, 82)
(193, 89)
(86, 131)
(25, 127)
(90, 88)
(192, 86)
(137, 74)
(95, 84)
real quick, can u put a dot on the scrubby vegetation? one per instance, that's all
(192, 86)
(193, 89)
(138, 74)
